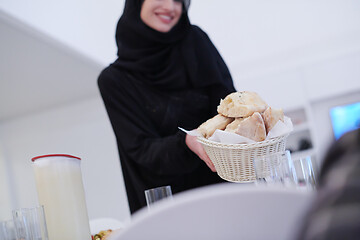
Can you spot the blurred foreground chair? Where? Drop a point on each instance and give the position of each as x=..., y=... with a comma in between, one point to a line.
x=223, y=211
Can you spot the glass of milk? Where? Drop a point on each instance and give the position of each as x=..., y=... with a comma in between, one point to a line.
x=60, y=190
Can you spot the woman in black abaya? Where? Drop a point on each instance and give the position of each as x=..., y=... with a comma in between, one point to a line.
x=168, y=75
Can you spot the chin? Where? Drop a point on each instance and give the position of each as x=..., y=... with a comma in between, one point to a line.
x=163, y=29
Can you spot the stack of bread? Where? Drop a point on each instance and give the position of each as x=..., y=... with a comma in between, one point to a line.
x=243, y=113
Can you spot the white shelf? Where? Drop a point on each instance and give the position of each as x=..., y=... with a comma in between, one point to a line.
x=301, y=132
x=303, y=153
x=301, y=127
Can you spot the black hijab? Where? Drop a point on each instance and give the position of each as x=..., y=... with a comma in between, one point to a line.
x=183, y=57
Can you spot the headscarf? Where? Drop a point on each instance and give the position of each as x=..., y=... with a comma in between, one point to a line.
x=177, y=59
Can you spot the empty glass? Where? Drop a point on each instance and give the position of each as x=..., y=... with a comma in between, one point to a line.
x=30, y=223
x=7, y=230
x=155, y=194
x=305, y=172
x=275, y=169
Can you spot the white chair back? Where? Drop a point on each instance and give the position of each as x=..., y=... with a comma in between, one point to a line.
x=223, y=211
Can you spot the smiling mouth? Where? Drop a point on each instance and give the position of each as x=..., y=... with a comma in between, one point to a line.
x=165, y=18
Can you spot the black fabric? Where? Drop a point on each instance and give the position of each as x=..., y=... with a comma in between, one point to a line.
x=161, y=81
x=167, y=60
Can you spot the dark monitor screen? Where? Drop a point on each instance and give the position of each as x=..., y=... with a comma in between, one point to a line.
x=345, y=118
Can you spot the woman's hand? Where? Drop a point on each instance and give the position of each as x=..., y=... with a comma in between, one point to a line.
x=197, y=148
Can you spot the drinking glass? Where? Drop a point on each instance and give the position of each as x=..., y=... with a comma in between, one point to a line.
x=7, y=230
x=30, y=223
x=155, y=194
x=275, y=169
x=306, y=174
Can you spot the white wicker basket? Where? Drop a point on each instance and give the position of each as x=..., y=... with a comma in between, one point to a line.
x=234, y=162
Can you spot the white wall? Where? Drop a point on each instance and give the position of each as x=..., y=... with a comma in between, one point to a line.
x=251, y=31
x=81, y=129
x=6, y=194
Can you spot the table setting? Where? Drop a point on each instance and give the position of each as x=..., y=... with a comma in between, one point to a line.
x=247, y=146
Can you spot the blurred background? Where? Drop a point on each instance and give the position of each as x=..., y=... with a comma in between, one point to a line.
x=299, y=55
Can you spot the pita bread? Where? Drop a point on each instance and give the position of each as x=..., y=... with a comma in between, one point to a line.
x=217, y=122
x=241, y=104
x=271, y=117
x=233, y=126
x=252, y=127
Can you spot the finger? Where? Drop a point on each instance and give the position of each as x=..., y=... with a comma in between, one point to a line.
x=211, y=165
x=207, y=160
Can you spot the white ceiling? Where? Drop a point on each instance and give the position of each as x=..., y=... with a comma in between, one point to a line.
x=37, y=72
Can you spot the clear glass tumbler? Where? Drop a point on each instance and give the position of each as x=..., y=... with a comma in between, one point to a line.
x=155, y=194
x=306, y=174
x=7, y=230
x=275, y=169
x=30, y=223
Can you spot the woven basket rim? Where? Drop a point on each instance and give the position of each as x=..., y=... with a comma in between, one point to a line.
x=270, y=141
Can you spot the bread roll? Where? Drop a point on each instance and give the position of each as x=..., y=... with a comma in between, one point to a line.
x=217, y=122
x=252, y=127
x=271, y=117
x=241, y=104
